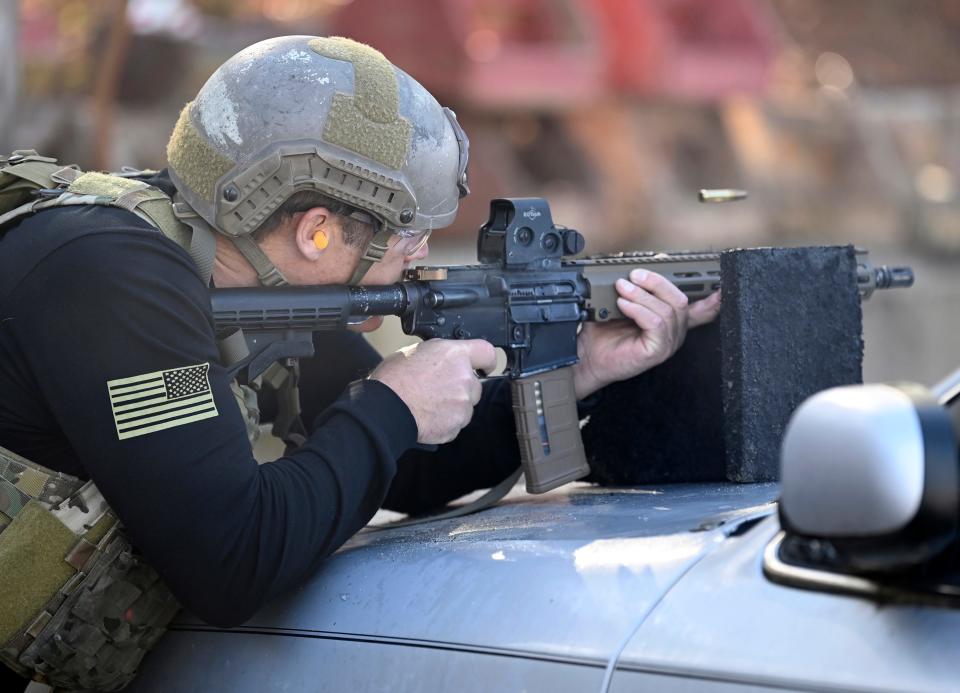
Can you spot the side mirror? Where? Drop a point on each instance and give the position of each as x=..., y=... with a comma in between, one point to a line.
x=873, y=469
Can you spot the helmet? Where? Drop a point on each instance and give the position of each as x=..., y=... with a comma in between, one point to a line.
x=326, y=114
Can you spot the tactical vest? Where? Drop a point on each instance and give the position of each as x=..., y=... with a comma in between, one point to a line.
x=80, y=606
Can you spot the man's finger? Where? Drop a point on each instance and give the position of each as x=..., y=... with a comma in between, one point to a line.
x=704, y=311
x=645, y=318
x=659, y=286
x=476, y=392
x=482, y=355
x=641, y=296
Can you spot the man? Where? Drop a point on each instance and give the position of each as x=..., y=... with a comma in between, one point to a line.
x=307, y=161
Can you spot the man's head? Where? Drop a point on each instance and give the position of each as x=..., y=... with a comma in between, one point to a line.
x=301, y=115
x=318, y=240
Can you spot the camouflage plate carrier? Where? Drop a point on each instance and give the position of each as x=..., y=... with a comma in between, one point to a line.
x=80, y=606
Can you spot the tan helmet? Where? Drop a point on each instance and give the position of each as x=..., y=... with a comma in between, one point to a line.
x=325, y=114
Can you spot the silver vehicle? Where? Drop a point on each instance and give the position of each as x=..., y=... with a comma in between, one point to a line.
x=684, y=587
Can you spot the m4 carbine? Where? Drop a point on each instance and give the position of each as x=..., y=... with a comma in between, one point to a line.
x=523, y=297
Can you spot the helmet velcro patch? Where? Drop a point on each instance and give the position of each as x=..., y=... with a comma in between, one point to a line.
x=386, y=143
x=102, y=185
x=196, y=163
x=368, y=122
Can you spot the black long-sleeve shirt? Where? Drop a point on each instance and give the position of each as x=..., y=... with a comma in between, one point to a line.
x=90, y=296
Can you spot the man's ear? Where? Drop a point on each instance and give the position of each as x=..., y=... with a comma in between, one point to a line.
x=316, y=232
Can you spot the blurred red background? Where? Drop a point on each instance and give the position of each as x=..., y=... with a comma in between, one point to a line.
x=841, y=117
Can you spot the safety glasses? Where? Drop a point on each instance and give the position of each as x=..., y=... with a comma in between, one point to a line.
x=412, y=240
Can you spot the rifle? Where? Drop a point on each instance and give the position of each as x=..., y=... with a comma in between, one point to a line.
x=523, y=297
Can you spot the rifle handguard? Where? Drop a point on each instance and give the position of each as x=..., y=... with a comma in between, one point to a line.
x=548, y=430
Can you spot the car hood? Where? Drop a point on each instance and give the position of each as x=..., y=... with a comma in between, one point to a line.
x=564, y=575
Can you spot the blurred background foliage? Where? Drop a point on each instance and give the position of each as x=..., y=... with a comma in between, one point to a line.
x=841, y=117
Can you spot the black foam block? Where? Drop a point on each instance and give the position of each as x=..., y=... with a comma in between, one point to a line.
x=665, y=424
x=790, y=326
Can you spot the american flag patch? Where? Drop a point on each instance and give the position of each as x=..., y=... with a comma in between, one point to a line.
x=154, y=401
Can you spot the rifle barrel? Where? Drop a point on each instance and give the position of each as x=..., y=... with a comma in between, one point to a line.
x=900, y=277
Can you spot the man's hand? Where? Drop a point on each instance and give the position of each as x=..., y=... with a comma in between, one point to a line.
x=437, y=380
x=621, y=349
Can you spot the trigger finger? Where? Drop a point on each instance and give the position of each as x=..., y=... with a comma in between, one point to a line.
x=476, y=392
x=482, y=355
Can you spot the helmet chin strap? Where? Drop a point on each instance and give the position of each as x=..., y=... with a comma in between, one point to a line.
x=270, y=275
x=376, y=248
x=203, y=246
x=267, y=272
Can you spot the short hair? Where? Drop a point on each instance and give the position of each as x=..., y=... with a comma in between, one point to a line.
x=355, y=232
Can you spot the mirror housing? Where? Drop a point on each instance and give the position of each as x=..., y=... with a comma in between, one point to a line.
x=872, y=469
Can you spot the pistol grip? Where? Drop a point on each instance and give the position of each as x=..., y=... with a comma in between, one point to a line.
x=548, y=429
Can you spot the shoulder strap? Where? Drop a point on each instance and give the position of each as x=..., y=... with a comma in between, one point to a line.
x=156, y=208
x=203, y=243
x=25, y=173
x=488, y=499
x=30, y=166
